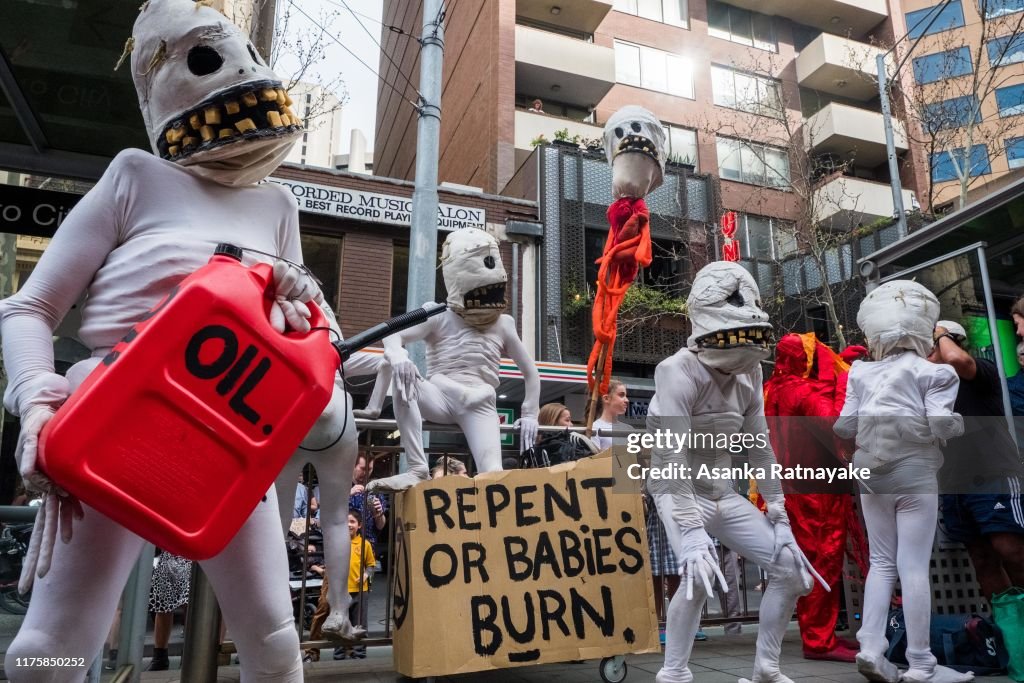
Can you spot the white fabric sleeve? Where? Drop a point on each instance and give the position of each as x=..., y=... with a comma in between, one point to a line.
x=761, y=455
x=27, y=319
x=846, y=426
x=675, y=394
x=517, y=352
x=940, y=389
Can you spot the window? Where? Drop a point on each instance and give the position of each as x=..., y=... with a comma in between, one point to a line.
x=666, y=11
x=998, y=8
x=764, y=238
x=653, y=69
x=941, y=65
x=935, y=19
x=1015, y=152
x=667, y=271
x=751, y=162
x=322, y=255
x=952, y=113
x=945, y=164
x=1006, y=50
x=741, y=26
x=746, y=92
x=682, y=144
x=1010, y=100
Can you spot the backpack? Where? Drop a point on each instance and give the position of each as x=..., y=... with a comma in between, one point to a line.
x=964, y=642
x=561, y=447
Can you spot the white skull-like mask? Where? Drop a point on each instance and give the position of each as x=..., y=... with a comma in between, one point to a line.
x=635, y=144
x=207, y=98
x=730, y=331
x=900, y=314
x=474, y=276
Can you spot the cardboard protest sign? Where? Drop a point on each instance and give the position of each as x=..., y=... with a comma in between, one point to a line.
x=520, y=567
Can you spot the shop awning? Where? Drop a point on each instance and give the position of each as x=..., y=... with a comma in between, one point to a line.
x=996, y=219
x=64, y=111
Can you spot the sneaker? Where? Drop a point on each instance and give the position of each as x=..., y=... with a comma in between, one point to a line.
x=339, y=653
x=111, y=662
x=358, y=652
x=160, y=661
x=661, y=636
x=700, y=636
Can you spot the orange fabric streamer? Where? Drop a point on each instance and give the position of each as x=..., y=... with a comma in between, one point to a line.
x=626, y=250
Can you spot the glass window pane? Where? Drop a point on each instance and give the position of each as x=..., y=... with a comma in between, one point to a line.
x=785, y=241
x=680, y=76
x=740, y=25
x=653, y=73
x=718, y=19
x=759, y=238
x=979, y=160
x=729, y=159
x=676, y=12
x=649, y=9
x=627, y=63
x=723, y=87
x=746, y=92
x=942, y=167
x=1006, y=50
x=752, y=160
x=949, y=16
x=683, y=145
x=1015, y=152
x=769, y=98
x=1010, y=100
x=625, y=6
x=764, y=32
x=777, y=162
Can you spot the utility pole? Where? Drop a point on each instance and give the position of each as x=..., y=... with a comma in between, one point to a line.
x=423, y=230
x=890, y=148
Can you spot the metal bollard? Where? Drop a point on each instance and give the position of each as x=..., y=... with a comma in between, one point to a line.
x=202, y=631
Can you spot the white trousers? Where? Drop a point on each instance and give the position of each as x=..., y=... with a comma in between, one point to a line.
x=901, y=531
x=446, y=401
x=743, y=528
x=73, y=606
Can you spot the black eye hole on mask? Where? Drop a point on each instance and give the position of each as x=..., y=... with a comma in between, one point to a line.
x=489, y=261
x=735, y=299
x=619, y=132
x=635, y=126
x=203, y=60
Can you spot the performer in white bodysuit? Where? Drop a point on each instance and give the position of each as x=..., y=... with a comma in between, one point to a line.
x=900, y=408
x=714, y=386
x=219, y=122
x=465, y=345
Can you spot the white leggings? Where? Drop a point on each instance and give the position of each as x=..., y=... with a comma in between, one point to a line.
x=901, y=530
x=445, y=401
x=73, y=606
x=741, y=527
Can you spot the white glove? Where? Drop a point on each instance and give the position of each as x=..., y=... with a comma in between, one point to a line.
x=293, y=288
x=527, y=432
x=59, y=509
x=404, y=373
x=699, y=559
x=784, y=540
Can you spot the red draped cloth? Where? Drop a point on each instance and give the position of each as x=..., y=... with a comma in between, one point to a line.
x=626, y=250
x=809, y=383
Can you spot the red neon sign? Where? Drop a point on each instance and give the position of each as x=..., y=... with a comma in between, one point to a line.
x=731, y=247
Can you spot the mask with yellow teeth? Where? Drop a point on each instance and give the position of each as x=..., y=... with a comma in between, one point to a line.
x=474, y=276
x=208, y=99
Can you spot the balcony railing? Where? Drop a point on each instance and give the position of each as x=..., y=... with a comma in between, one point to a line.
x=845, y=202
x=852, y=133
x=839, y=66
x=581, y=73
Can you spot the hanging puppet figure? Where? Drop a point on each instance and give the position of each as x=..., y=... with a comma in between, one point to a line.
x=219, y=122
x=900, y=408
x=714, y=387
x=465, y=345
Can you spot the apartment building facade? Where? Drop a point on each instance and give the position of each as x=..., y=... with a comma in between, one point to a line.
x=968, y=71
x=775, y=101
x=321, y=113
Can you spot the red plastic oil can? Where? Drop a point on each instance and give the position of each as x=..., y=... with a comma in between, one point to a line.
x=180, y=431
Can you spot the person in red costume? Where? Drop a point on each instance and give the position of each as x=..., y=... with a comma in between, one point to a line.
x=809, y=383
